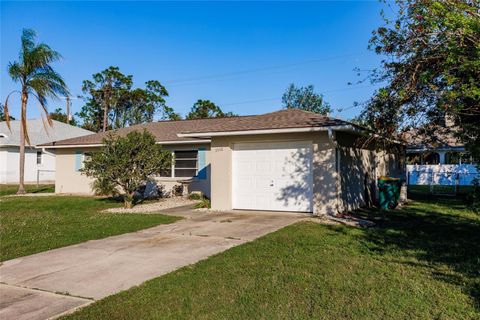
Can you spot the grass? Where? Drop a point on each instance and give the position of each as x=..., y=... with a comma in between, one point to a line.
x=439, y=189
x=420, y=262
x=8, y=189
x=33, y=224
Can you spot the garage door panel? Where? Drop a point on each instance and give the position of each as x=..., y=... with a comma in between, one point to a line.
x=273, y=176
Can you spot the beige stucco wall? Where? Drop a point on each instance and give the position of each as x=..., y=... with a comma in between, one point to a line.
x=361, y=164
x=68, y=180
x=324, y=175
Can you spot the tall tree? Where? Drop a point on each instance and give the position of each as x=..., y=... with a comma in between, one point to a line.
x=141, y=105
x=106, y=92
x=59, y=115
x=431, y=70
x=37, y=78
x=112, y=103
x=203, y=109
x=305, y=98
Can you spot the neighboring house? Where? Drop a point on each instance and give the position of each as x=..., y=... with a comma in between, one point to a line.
x=289, y=160
x=443, y=161
x=39, y=162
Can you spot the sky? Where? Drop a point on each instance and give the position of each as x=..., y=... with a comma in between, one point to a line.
x=242, y=56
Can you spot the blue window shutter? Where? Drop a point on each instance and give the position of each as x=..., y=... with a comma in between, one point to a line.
x=202, y=164
x=78, y=160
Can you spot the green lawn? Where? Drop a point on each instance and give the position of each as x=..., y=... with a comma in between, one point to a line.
x=439, y=189
x=422, y=262
x=33, y=224
x=8, y=189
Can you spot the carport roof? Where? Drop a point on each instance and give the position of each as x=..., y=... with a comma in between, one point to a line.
x=185, y=131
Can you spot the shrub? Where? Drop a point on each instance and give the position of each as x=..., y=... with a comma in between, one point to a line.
x=195, y=196
x=126, y=163
x=204, y=203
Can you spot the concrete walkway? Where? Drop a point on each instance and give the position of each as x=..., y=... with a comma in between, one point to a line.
x=51, y=283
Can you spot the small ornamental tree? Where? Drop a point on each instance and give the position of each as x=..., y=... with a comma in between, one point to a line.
x=125, y=163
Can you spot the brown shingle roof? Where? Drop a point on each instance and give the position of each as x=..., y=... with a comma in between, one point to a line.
x=168, y=130
x=439, y=138
x=283, y=119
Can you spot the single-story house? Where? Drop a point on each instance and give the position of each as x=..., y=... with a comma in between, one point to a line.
x=438, y=160
x=39, y=162
x=289, y=160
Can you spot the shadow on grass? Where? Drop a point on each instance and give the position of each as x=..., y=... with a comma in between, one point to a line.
x=118, y=200
x=447, y=237
x=46, y=189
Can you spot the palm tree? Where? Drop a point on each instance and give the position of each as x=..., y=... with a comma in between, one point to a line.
x=38, y=79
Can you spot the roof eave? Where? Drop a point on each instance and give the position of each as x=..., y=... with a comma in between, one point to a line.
x=211, y=134
x=96, y=145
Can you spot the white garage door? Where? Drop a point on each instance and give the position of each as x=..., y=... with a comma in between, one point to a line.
x=273, y=176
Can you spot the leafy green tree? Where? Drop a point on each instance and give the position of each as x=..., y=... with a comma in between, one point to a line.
x=37, y=78
x=59, y=115
x=126, y=163
x=431, y=70
x=358, y=120
x=174, y=116
x=203, y=109
x=141, y=105
x=112, y=103
x=105, y=94
x=304, y=98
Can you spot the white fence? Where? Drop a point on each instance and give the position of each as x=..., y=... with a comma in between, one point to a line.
x=442, y=174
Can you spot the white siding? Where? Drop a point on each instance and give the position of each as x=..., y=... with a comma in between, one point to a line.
x=9, y=165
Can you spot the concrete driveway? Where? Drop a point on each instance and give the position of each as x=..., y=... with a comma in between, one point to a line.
x=51, y=283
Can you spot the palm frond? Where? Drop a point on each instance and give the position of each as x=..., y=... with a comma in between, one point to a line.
x=28, y=42
x=44, y=55
x=6, y=111
x=45, y=81
x=43, y=107
x=15, y=71
x=46, y=122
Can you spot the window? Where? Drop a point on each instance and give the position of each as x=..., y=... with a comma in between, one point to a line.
x=431, y=158
x=39, y=157
x=455, y=157
x=185, y=164
x=87, y=156
x=414, y=158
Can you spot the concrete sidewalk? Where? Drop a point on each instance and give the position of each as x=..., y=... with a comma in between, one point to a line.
x=50, y=283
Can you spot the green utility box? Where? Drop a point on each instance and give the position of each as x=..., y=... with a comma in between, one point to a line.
x=389, y=192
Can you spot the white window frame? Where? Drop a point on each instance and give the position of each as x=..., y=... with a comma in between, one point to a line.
x=85, y=156
x=173, y=167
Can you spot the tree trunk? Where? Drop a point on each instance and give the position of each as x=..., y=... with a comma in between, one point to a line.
x=106, y=95
x=23, y=127
x=128, y=200
x=105, y=114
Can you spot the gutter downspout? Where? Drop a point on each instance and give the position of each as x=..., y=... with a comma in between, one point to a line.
x=333, y=140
